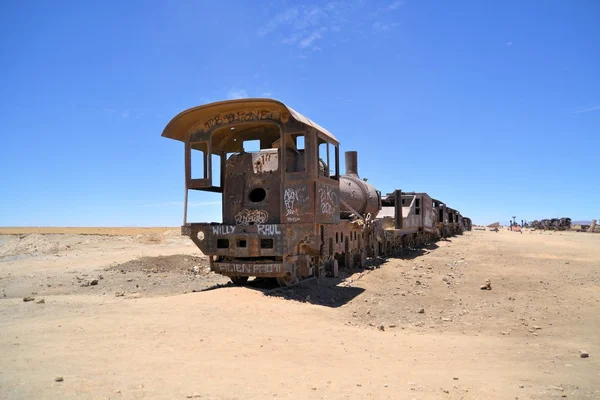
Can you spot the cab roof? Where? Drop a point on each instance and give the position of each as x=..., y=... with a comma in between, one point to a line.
x=201, y=118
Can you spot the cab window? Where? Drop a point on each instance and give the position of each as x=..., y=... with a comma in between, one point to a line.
x=328, y=159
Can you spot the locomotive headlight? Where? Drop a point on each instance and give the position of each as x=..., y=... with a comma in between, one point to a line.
x=200, y=235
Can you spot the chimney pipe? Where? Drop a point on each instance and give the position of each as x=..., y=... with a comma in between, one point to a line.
x=352, y=163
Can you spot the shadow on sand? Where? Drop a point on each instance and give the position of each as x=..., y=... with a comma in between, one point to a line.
x=328, y=292
x=320, y=291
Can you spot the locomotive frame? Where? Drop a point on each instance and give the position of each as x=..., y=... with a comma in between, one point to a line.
x=288, y=213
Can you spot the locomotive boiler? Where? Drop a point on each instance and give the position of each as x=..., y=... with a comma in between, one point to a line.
x=287, y=211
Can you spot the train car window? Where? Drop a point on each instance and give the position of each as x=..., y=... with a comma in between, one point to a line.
x=323, y=161
x=295, y=155
x=333, y=161
x=216, y=170
x=418, y=206
x=251, y=145
x=299, y=139
x=328, y=159
x=199, y=160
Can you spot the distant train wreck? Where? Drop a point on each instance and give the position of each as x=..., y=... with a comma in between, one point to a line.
x=556, y=224
x=288, y=212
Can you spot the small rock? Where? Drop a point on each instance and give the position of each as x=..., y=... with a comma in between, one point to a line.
x=536, y=327
x=447, y=319
x=521, y=386
x=40, y=301
x=381, y=328
x=58, y=379
x=455, y=378
x=583, y=354
x=487, y=286
x=446, y=391
x=119, y=294
x=94, y=282
x=392, y=325
x=421, y=311
x=28, y=298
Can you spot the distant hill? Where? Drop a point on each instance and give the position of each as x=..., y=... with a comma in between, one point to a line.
x=581, y=222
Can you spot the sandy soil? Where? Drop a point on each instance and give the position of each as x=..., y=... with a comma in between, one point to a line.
x=120, y=231
x=139, y=316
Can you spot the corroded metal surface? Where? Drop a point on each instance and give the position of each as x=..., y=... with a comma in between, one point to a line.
x=287, y=212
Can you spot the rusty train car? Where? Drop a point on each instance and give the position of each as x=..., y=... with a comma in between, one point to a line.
x=287, y=211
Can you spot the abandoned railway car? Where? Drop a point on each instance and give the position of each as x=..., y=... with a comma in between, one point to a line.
x=287, y=211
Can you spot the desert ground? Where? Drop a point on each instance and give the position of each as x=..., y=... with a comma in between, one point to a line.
x=132, y=313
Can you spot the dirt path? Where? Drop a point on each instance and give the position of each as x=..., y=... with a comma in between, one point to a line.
x=361, y=337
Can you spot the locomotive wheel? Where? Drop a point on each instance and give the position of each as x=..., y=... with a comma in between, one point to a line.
x=287, y=280
x=239, y=280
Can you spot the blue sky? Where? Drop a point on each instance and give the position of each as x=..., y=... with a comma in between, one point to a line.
x=493, y=107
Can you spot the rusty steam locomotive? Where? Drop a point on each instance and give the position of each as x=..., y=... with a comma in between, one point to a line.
x=288, y=213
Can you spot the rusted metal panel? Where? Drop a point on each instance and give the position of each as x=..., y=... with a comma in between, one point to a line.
x=430, y=220
x=266, y=269
x=298, y=201
x=327, y=203
x=194, y=124
x=226, y=240
x=253, y=189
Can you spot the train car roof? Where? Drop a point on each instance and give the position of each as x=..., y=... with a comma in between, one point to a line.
x=188, y=122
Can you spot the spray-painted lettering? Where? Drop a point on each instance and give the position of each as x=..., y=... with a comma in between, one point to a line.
x=265, y=161
x=268, y=230
x=251, y=217
x=292, y=198
x=328, y=199
x=241, y=116
x=222, y=229
x=250, y=268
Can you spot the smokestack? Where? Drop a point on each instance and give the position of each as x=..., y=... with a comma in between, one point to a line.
x=351, y=163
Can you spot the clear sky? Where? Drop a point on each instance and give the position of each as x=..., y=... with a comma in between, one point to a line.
x=492, y=107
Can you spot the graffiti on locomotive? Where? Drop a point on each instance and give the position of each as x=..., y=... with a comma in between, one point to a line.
x=241, y=116
x=328, y=200
x=294, y=198
x=250, y=268
x=247, y=217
